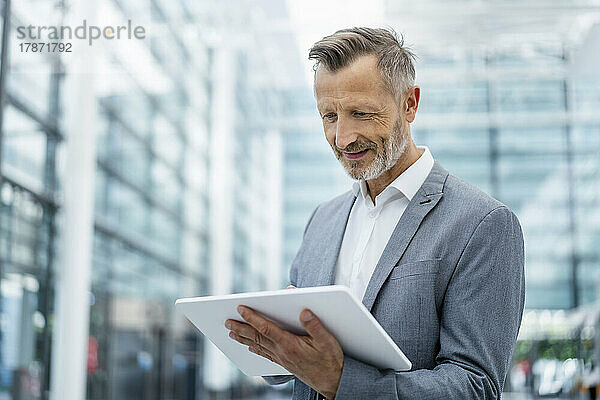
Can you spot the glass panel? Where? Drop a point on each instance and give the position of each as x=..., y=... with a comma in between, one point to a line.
x=23, y=148
x=24, y=293
x=531, y=95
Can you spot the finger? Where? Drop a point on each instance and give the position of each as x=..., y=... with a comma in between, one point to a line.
x=253, y=347
x=263, y=326
x=314, y=327
x=291, y=287
x=248, y=332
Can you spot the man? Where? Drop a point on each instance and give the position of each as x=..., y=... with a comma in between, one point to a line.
x=436, y=261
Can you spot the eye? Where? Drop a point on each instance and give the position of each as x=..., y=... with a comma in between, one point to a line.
x=330, y=117
x=361, y=114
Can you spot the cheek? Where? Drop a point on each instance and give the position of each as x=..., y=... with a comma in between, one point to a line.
x=373, y=133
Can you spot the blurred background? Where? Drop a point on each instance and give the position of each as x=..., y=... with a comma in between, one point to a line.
x=137, y=171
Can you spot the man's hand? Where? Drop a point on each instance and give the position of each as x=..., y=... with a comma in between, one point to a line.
x=316, y=359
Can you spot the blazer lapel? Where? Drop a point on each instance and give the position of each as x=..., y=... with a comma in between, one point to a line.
x=424, y=201
x=328, y=246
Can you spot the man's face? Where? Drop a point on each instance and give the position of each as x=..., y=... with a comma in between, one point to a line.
x=360, y=118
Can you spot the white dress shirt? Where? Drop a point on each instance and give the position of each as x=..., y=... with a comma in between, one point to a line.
x=370, y=225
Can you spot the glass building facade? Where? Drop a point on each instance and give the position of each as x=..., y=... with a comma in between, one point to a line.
x=152, y=230
x=210, y=158
x=150, y=208
x=518, y=128
x=29, y=187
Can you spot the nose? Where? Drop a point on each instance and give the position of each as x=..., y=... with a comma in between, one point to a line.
x=344, y=134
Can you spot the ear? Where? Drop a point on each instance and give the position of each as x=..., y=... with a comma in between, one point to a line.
x=411, y=103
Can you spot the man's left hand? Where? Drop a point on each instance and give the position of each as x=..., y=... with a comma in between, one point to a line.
x=316, y=359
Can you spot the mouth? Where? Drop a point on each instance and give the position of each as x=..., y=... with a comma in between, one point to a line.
x=356, y=156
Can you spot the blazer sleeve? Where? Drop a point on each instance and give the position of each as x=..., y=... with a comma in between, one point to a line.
x=279, y=379
x=479, y=323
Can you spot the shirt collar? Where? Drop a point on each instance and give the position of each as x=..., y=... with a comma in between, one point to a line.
x=408, y=182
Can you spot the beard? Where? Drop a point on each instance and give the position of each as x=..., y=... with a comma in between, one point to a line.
x=387, y=154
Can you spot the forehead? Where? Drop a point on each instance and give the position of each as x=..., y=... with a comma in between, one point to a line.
x=359, y=81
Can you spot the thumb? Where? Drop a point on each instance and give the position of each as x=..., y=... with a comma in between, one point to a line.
x=314, y=327
x=291, y=287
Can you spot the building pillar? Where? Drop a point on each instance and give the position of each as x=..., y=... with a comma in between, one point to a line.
x=217, y=368
x=73, y=272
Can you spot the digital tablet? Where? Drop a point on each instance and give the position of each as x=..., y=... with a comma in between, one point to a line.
x=355, y=328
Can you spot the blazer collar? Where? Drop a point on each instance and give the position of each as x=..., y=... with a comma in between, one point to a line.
x=328, y=246
x=424, y=201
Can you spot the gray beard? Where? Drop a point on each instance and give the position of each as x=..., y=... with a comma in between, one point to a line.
x=385, y=158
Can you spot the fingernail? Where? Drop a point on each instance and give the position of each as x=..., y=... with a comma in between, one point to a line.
x=240, y=310
x=232, y=335
x=307, y=316
x=228, y=325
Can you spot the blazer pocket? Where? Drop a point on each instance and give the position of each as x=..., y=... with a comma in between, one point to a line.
x=415, y=268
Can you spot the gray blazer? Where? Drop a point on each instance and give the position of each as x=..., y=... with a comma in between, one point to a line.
x=449, y=289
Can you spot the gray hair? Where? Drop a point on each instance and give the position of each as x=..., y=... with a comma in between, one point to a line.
x=395, y=61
